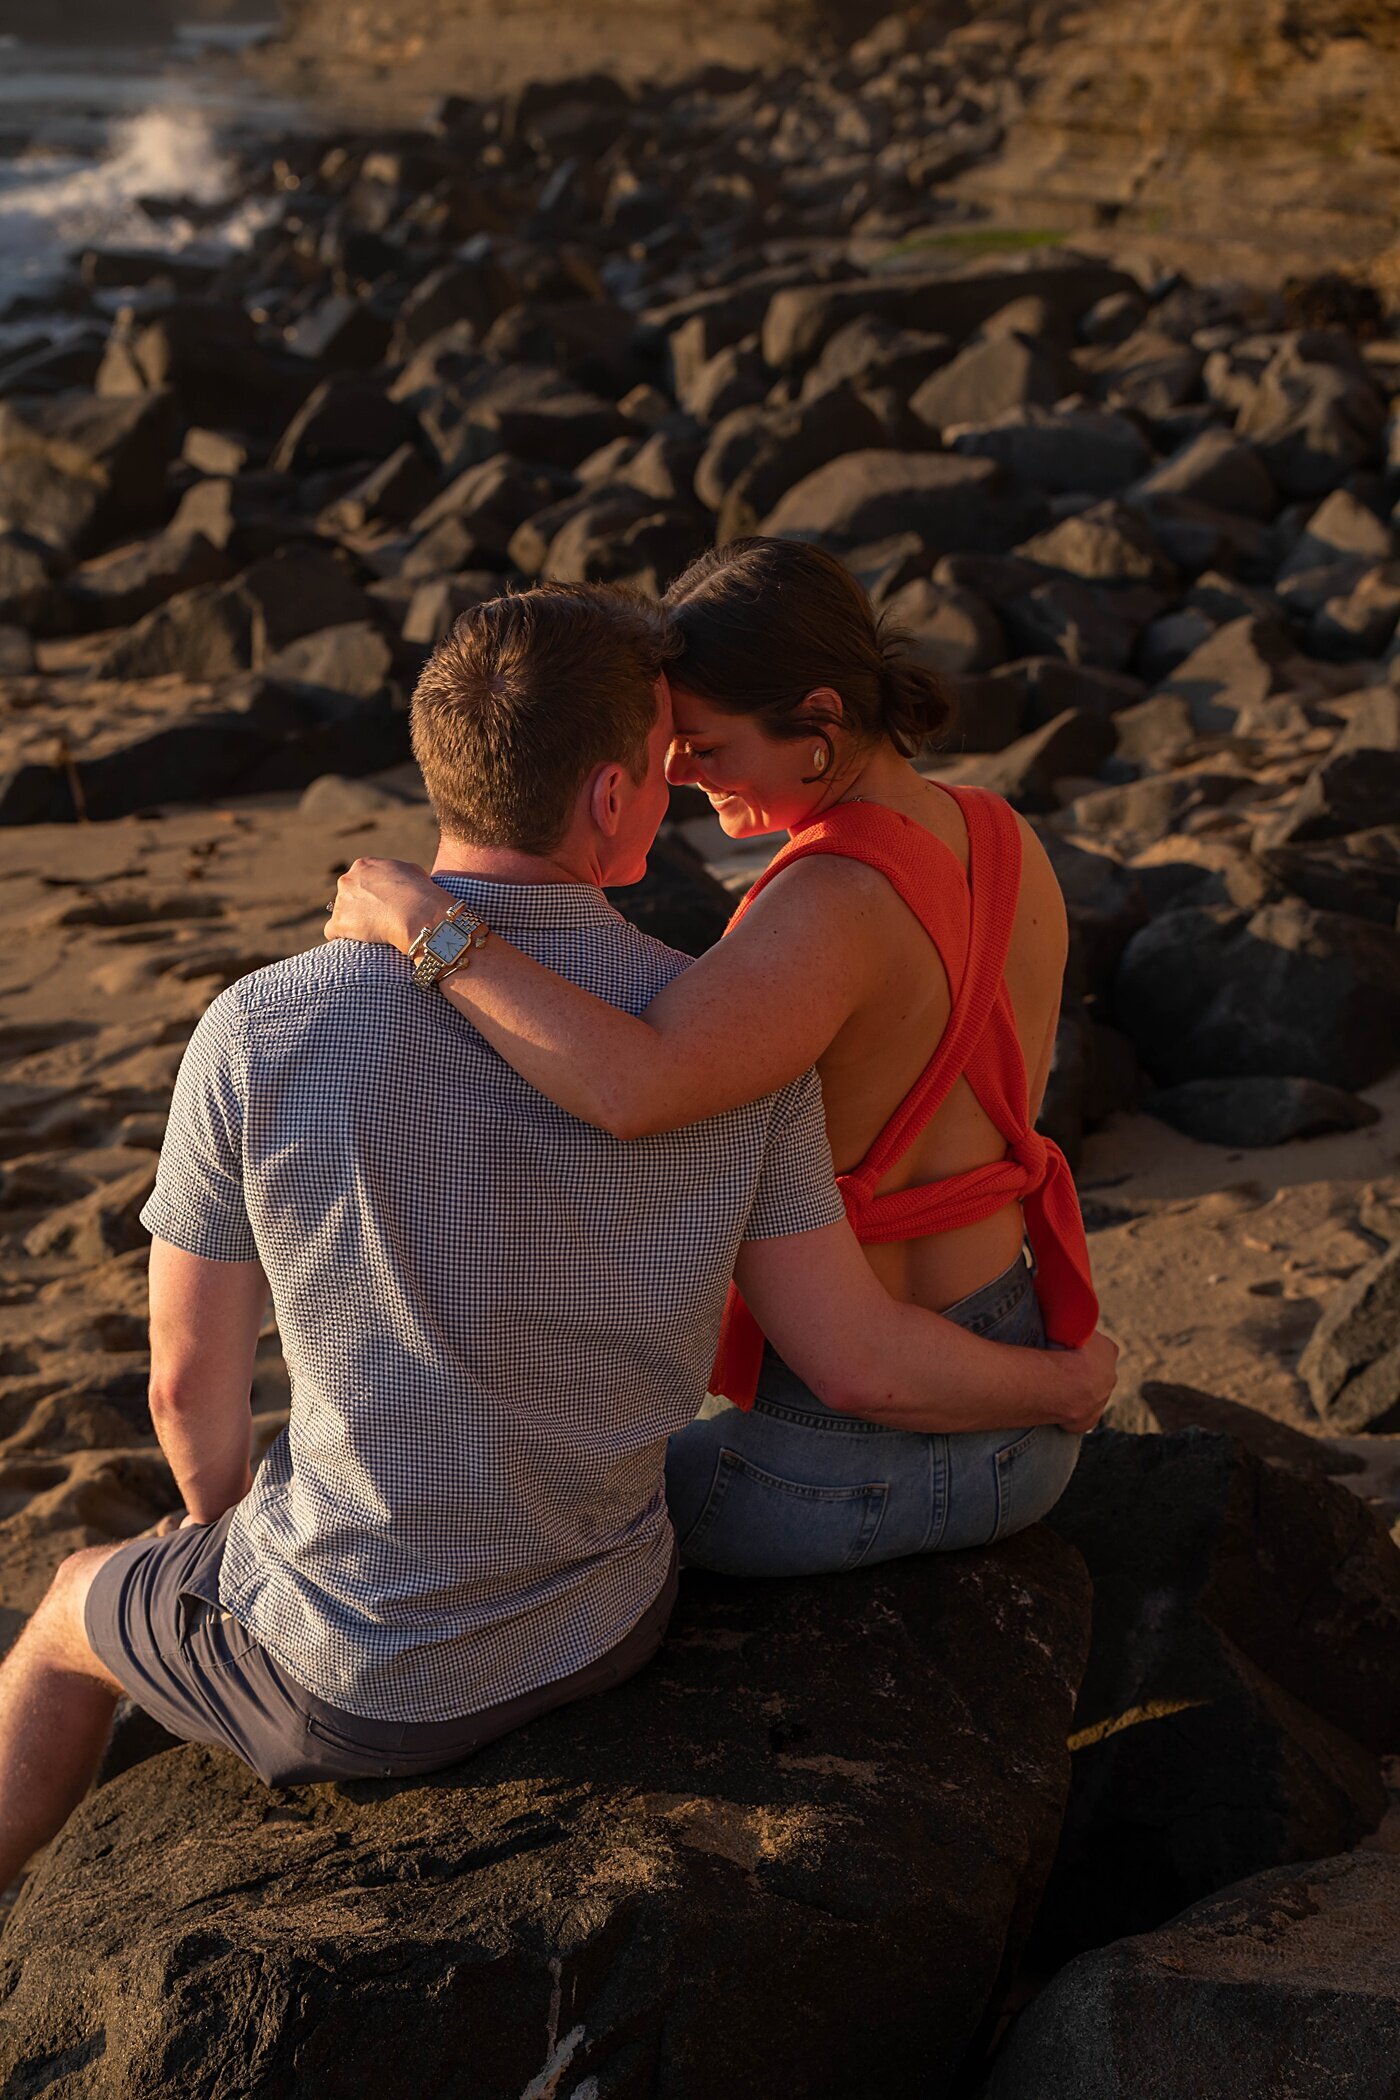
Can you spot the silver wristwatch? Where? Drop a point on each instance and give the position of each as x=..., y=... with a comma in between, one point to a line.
x=440, y=949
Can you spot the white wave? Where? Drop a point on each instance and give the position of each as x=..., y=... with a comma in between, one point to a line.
x=50, y=207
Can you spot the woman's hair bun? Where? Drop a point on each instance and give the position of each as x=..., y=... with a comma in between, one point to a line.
x=918, y=703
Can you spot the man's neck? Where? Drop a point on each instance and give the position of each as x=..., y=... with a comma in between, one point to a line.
x=504, y=864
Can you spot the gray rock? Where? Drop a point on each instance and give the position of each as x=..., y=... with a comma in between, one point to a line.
x=538, y=415
x=1052, y=685
x=986, y=379
x=1084, y=623
x=17, y=656
x=1240, y=1686
x=1258, y=1111
x=491, y=501
x=391, y=494
x=342, y=423
x=1373, y=721
x=1359, y=621
x=119, y=588
x=801, y=319
x=473, y=290
x=1233, y=674
x=1217, y=469
x=1106, y=544
x=1358, y=875
x=349, y=661
x=949, y=502
x=1166, y=643
x=1075, y=742
x=735, y=377
x=1351, y=1364
x=1288, y=1983
x=1068, y=450
x=1315, y=415
x=811, y=1779
x=871, y=352
x=198, y=634
x=1350, y=791
x=1340, y=529
x=435, y=605
x=76, y=470
x=791, y=446
x=26, y=567
x=1157, y=734
x=1213, y=993
x=949, y=630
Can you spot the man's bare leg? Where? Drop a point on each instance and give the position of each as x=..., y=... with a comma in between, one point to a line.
x=56, y=1707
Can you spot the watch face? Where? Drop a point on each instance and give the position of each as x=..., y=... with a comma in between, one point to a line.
x=447, y=942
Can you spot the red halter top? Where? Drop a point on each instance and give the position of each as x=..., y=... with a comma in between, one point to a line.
x=968, y=918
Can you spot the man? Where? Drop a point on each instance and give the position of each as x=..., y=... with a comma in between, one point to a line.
x=493, y=1315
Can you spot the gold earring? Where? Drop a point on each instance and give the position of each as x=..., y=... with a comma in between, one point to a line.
x=819, y=758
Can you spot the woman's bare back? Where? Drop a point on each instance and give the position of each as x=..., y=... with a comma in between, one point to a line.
x=885, y=1046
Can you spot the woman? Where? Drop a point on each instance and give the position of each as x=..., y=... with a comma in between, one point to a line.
x=795, y=712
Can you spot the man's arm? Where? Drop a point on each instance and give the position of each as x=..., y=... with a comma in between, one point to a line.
x=205, y=1317
x=821, y=1306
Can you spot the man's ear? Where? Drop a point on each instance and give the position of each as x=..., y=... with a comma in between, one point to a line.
x=606, y=793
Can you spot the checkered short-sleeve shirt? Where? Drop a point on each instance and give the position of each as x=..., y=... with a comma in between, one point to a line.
x=492, y=1314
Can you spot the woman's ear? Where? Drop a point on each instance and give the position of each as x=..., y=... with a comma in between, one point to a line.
x=824, y=702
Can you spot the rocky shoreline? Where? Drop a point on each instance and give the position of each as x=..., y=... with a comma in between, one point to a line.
x=1144, y=524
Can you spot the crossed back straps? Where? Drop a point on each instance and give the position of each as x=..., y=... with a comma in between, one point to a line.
x=969, y=919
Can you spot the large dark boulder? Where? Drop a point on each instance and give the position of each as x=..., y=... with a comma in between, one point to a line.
x=952, y=503
x=801, y=319
x=1241, y=1681
x=1259, y=1111
x=1358, y=875
x=796, y=1855
x=678, y=900
x=75, y=469
x=989, y=377
x=1208, y=992
x=1287, y=1984
x=1071, y=450
x=1352, y=1360
x=1351, y=790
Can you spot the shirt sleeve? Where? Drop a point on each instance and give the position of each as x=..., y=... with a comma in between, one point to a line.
x=197, y=1202
x=797, y=1189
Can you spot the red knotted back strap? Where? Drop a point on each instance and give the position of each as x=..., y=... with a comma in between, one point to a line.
x=969, y=921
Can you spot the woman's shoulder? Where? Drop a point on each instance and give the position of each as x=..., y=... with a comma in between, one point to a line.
x=816, y=883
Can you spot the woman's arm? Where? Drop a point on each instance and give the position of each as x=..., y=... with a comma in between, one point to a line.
x=754, y=1013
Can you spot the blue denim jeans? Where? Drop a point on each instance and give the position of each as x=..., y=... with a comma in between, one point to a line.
x=795, y=1489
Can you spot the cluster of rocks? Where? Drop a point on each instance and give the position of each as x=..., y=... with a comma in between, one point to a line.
x=822, y=1845
x=1144, y=528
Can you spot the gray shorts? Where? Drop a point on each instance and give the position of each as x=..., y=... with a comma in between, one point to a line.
x=151, y=1621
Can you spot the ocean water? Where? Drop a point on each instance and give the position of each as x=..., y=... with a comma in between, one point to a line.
x=86, y=134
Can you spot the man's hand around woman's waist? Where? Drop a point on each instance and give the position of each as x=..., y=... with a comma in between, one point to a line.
x=1089, y=1375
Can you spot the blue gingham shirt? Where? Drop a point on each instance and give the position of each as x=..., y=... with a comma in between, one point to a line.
x=493, y=1315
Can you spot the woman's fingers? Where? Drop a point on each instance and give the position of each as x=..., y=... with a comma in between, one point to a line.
x=384, y=900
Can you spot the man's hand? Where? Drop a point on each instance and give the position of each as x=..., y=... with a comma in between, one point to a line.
x=1091, y=1374
x=385, y=900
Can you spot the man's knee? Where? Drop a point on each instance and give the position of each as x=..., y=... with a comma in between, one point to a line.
x=60, y=1620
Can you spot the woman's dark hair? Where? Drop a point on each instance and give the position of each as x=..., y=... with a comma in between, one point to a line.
x=764, y=622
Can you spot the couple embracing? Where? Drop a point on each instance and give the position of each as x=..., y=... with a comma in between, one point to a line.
x=513, y=1172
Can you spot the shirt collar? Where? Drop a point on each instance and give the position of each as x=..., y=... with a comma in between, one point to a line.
x=530, y=907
